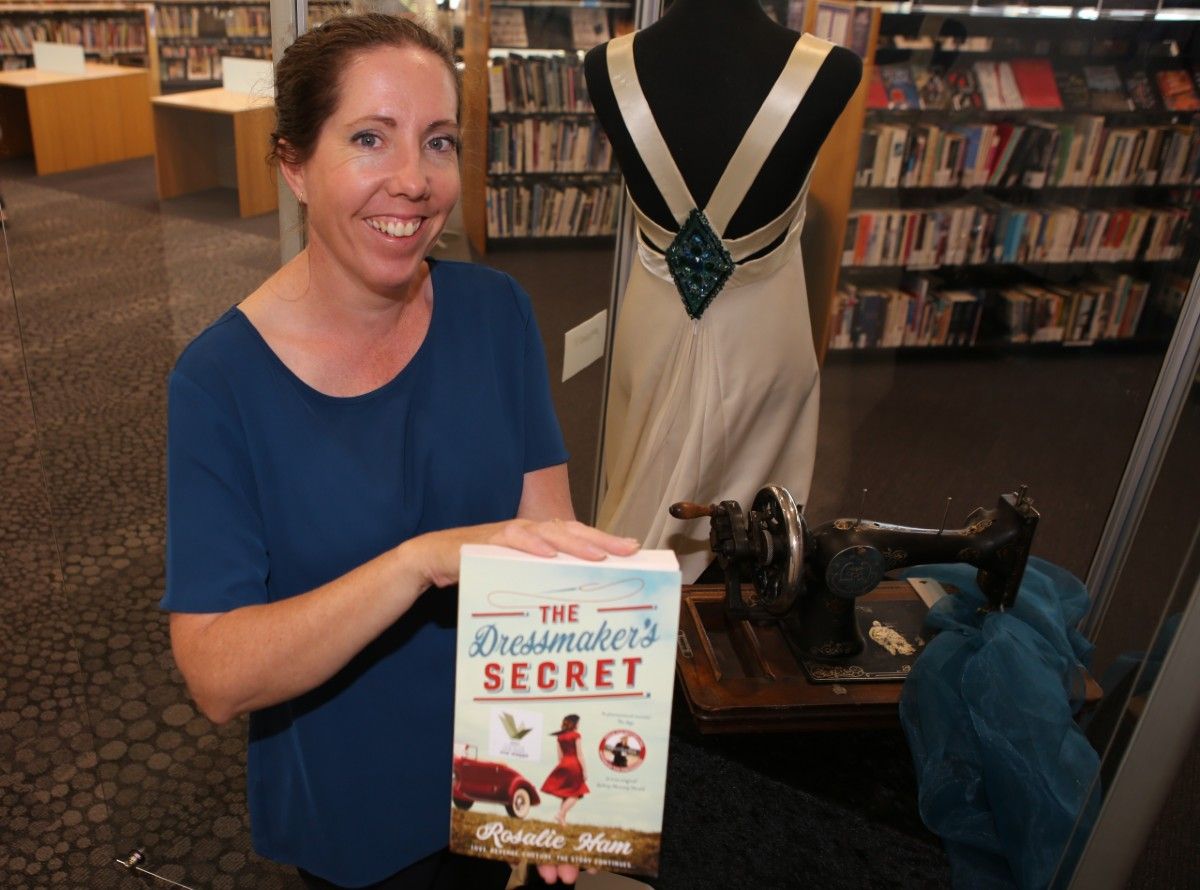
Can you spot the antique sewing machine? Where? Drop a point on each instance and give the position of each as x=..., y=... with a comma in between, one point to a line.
x=789, y=646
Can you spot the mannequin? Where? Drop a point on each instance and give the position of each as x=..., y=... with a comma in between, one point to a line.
x=715, y=384
x=705, y=68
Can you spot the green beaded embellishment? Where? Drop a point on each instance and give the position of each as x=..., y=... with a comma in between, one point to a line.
x=699, y=263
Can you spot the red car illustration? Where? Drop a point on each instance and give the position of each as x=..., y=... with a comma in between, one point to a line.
x=489, y=782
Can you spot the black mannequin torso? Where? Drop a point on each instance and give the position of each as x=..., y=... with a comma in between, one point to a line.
x=705, y=69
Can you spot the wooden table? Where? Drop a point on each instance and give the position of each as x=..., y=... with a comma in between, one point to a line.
x=70, y=121
x=742, y=676
x=211, y=138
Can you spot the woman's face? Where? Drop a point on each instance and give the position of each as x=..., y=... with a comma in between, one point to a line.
x=383, y=176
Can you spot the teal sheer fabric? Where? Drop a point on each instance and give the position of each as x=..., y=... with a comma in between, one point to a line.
x=1003, y=770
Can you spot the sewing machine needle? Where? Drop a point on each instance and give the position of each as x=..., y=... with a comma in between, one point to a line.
x=945, y=513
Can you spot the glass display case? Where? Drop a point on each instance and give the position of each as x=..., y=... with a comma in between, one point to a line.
x=1001, y=268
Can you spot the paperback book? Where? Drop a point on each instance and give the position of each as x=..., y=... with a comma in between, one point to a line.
x=1175, y=86
x=564, y=677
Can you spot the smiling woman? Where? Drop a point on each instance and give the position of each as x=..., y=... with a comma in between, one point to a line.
x=326, y=464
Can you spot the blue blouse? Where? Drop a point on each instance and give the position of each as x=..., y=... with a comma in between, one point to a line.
x=275, y=488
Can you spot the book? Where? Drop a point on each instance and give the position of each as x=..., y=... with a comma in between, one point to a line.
x=1072, y=89
x=589, y=27
x=1142, y=92
x=877, y=97
x=900, y=88
x=964, y=89
x=1105, y=90
x=1175, y=87
x=1035, y=80
x=563, y=685
x=832, y=22
x=932, y=88
x=860, y=31
x=507, y=28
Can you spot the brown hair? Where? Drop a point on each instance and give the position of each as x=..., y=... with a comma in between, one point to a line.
x=308, y=77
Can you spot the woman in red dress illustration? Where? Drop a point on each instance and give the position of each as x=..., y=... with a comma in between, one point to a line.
x=567, y=780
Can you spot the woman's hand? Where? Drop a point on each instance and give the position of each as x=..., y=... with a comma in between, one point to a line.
x=436, y=555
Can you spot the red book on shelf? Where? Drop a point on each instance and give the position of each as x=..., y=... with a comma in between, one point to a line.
x=1035, y=80
x=1176, y=88
x=876, y=92
x=1004, y=131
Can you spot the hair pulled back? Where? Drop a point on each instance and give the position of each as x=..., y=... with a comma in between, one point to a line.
x=308, y=77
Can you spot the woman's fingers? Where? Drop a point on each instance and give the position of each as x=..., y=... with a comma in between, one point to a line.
x=584, y=541
x=546, y=538
x=568, y=874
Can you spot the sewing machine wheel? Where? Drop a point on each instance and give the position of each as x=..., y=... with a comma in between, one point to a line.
x=779, y=575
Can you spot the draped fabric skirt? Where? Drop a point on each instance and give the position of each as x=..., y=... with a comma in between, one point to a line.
x=710, y=409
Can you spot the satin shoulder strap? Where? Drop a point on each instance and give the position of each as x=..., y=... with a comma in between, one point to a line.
x=643, y=129
x=766, y=128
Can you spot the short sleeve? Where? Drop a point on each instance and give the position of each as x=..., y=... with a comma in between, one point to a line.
x=544, y=446
x=216, y=555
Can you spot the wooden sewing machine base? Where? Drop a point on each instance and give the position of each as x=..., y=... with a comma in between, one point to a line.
x=745, y=676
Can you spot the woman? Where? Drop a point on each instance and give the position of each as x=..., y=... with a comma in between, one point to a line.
x=334, y=440
x=567, y=780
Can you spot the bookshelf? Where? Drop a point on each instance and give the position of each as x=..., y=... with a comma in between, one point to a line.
x=112, y=33
x=194, y=35
x=1022, y=181
x=545, y=169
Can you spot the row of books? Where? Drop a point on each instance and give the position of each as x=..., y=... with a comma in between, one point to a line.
x=95, y=35
x=1077, y=151
x=203, y=63
x=521, y=210
x=586, y=27
x=548, y=145
x=994, y=232
x=214, y=21
x=537, y=83
x=1021, y=84
x=922, y=313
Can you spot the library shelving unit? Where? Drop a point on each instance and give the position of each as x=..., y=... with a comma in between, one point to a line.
x=112, y=33
x=1027, y=180
x=540, y=170
x=194, y=35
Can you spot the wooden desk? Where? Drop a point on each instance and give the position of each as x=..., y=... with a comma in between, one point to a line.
x=744, y=677
x=69, y=121
x=194, y=133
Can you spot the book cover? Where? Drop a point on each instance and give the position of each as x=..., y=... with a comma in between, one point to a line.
x=877, y=97
x=1072, y=89
x=564, y=677
x=507, y=28
x=860, y=31
x=1035, y=80
x=1142, y=92
x=1105, y=90
x=964, y=89
x=589, y=27
x=1175, y=87
x=900, y=88
x=932, y=89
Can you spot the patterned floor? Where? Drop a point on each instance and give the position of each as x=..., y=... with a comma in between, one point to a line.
x=102, y=752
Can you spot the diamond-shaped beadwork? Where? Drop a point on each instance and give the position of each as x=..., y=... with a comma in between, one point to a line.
x=699, y=263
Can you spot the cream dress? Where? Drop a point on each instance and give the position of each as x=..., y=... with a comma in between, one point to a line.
x=710, y=409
